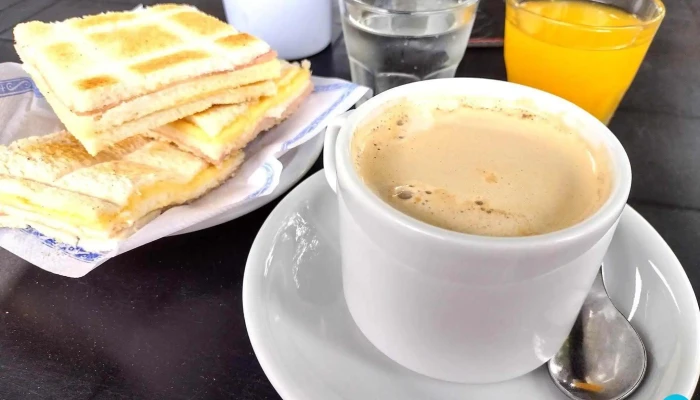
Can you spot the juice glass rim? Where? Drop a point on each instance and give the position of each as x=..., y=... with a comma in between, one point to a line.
x=661, y=8
x=380, y=10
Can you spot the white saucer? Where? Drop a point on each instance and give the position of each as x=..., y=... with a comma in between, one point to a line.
x=310, y=348
x=296, y=163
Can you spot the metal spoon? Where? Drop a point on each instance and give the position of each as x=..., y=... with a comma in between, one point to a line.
x=603, y=358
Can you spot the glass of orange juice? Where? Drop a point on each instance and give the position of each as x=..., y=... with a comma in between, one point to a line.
x=587, y=52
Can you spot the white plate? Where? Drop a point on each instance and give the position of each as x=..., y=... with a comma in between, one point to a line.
x=296, y=163
x=310, y=348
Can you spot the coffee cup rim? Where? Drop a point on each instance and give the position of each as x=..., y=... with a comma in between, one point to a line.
x=604, y=216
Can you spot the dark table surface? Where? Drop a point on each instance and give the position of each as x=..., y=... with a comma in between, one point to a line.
x=166, y=320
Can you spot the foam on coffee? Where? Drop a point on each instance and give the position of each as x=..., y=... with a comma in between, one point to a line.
x=494, y=171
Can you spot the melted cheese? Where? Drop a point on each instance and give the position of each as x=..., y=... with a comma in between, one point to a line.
x=157, y=196
x=288, y=85
x=174, y=193
x=73, y=218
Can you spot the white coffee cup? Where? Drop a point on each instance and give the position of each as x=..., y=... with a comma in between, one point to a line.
x=294, y=29
x=461, y=307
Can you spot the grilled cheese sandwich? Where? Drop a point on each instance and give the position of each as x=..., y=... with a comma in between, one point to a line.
x=52, y=182
x=110, y=76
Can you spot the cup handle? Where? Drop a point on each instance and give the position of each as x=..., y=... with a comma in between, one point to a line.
x=329, y=165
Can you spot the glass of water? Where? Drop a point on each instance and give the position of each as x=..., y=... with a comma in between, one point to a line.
x=394, y=42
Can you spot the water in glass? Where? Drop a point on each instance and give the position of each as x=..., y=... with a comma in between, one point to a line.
x=391, y=43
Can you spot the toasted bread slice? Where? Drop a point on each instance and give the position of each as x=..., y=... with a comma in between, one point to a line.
x=214, y=133
x=100, y=61
x=51, y=181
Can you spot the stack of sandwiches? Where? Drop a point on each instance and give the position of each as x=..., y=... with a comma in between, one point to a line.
x=158, y=106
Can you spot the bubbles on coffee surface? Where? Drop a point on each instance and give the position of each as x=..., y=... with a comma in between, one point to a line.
x=445, y=209
x=404, y=194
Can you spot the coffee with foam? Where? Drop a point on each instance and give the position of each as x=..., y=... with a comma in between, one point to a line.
x=484, y=171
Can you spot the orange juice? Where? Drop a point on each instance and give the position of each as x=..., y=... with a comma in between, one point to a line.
x=585, y=52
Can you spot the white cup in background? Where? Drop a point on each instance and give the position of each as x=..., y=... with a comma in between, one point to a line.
x=295, y=29
x=461, y=307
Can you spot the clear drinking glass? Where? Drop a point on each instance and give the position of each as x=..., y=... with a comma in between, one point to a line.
x=394, y=42
x=586, y=51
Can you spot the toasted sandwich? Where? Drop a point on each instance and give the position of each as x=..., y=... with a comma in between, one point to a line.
x=110, y=76
x=215, y=133
x=53, y=184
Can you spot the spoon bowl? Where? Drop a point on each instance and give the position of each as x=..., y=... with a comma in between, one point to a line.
x=603, y=358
